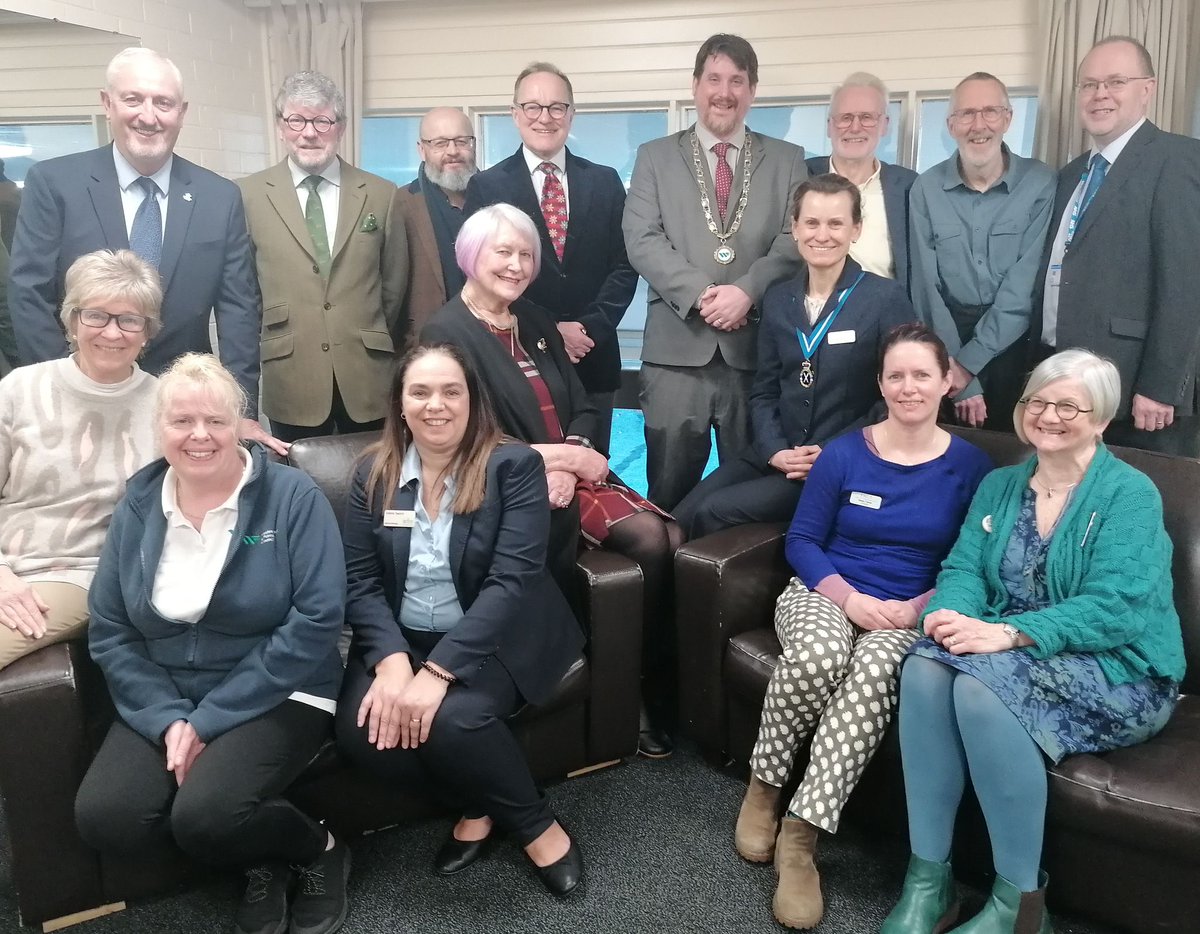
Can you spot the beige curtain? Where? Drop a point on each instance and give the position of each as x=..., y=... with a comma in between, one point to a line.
x=324, y=36
x=1071, y=27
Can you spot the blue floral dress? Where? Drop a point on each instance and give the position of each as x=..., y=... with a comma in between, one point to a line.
x=1065, y=702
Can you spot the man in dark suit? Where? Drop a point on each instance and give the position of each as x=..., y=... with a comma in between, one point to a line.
x=1119, y=273
x=137, y=194
x=431, y=209
x=858, y=120
x=586, y=281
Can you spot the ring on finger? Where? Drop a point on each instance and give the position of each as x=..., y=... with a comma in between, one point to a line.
x=949, y=640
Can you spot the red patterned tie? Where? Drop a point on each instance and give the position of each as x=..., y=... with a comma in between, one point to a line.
x=554, y=208
x=724, y=177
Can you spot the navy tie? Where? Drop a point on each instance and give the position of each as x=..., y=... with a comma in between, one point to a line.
x=145, y=238
x=1095, y=180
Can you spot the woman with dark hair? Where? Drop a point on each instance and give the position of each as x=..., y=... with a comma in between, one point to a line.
x=878, y=513
x=540, y=400
x=817, y=345
x=456, y=621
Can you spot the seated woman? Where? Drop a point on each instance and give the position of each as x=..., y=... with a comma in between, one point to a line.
x=818, y=342
x=1052, y=632
x=457, y=623
x=215, y=612
x=880, y=510
x=71, y=433
x=519, y=353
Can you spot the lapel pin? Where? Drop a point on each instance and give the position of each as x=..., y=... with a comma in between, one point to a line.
x=187, y=196
x=542, y=345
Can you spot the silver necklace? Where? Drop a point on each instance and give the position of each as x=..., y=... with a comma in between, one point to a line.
x=1051, y=490
x=723, y=254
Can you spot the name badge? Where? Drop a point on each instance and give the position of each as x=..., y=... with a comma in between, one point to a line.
x=840, y=337
x=870, y=500
x=399, y=518
x=1054, y=276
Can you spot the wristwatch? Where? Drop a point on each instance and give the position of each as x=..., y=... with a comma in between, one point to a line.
x=1012, y=632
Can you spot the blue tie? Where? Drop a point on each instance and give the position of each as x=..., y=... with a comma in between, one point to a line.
x=145, y=239
x=1095, y=179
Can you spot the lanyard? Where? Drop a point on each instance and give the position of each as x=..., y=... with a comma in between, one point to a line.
x=810, y=342
x=1078, y=210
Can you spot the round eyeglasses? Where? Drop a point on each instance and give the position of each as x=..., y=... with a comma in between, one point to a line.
x=533, y=110
x=297, y=123
x=1067, y=411
x=865, y=120
x=95, y=318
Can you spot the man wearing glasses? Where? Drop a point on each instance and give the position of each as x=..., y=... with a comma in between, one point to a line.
x=1120, y=273
x=586, y=281
x=977, y=225
x=332, y=266
x=431, y=210
x=858, y=120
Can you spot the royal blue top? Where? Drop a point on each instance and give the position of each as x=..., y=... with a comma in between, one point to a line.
x=884, y=527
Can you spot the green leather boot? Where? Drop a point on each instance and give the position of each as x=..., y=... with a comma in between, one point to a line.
x=1008, y=910
x=929, y=902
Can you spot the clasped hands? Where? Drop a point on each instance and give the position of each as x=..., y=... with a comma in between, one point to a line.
x=724, y=307
x=965, y=635
x=795, y=463
x=867, y=612
x=400, y=706
x=565, y=465
x=575, y=339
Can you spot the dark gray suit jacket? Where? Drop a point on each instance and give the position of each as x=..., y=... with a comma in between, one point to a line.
x=72, y=206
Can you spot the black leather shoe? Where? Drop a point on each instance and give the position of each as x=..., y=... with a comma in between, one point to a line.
x=456, y=855
x=564, y=876
x=654, y=743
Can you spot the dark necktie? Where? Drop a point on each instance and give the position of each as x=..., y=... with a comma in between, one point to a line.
x=145, y=237
x=314, y=220
x=554, y=208
x=1095, y=180
x=724, y=178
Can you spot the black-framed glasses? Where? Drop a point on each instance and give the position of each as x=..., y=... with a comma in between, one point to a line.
x=95, y=318
x=991, y=115
x=533, y=110
x=865, y=120
x=297, y=123
x=1116, y=83
x=1066, y=410
x=442, y=143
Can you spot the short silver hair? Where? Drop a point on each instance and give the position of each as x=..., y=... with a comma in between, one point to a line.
x=861, y=79
x=1099, y=376
x=311, y=89
x=206, y=372
x=138, y=55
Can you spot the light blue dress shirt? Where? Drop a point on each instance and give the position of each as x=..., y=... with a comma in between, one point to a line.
x=430, y=601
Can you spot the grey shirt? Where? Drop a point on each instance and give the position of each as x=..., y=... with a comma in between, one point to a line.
x=977, y=254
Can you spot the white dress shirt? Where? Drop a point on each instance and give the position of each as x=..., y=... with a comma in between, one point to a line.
x=559, y=159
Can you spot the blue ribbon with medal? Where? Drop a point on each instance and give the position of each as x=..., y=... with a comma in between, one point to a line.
x=809, y=343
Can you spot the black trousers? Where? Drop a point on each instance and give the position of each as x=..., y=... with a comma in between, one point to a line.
x=741, y=491
x=339, y=422
x=228, y=811
x=471, y=759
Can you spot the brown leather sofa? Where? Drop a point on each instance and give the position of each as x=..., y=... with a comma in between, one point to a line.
x=54, y=712
x=1123, y=828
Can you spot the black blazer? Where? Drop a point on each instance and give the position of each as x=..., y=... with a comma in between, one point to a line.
x=512, y=609
x=1131, y=278
x=897, y=181
x=594, y=283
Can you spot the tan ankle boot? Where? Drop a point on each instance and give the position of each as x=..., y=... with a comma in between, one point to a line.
x=798, y=902
x=757, y=822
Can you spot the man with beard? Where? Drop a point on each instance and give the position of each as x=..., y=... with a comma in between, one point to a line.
x=431, y=211
x=331, y=265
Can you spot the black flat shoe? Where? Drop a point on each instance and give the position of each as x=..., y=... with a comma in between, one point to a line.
x=563, y=877
x=456, y=855
x=654, y=743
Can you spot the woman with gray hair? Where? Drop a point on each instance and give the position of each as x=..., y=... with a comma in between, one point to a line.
x=1052, y=632
x=71, y=433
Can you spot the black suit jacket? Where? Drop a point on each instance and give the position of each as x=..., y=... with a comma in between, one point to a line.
x=512, y=609
x=594, y=283
x=897, y=181
x=1130, y=287
x=72, y=206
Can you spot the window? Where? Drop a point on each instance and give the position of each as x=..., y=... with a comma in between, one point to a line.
x=389, y=147
x=935, y=144
x=23, y=144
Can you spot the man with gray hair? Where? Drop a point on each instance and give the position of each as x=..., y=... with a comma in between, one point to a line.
x=431, y=209
x=332, y=265
x=858, y=121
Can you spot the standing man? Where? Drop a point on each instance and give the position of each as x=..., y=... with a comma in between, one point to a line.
x=331, y=265
x=978, y=223
x=10, y=203
x=707, y=225
x=431, y=210
x=137, y=194
x=858, y=120
x=586, y=281
x=1120, y=274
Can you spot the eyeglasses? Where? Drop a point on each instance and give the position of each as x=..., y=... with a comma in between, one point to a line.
x=993, y=114
x=866, y=120
x=442, y=143
x=95, y=318
x=533, y=110
x=1067, y=411
x=1117, y=83
x=297, y=123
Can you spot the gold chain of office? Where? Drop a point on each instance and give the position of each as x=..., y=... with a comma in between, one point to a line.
x=724, y=254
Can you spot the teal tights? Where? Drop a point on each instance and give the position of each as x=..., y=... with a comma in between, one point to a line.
x=950, y=725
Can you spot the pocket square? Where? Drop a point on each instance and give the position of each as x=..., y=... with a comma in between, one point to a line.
x=369, y=224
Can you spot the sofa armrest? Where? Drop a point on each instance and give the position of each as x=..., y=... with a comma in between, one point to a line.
x=725, y=583
x=611, y=599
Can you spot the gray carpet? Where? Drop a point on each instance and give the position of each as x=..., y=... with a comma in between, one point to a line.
x=657, y=844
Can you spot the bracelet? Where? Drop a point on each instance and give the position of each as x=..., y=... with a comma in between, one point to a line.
x=441, y=676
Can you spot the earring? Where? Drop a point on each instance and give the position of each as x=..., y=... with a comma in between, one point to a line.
x=403, y=417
